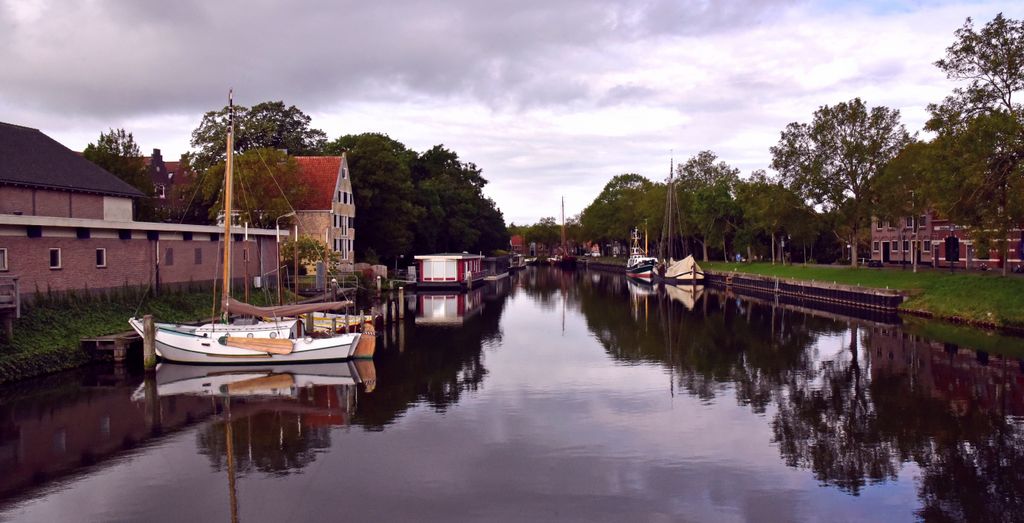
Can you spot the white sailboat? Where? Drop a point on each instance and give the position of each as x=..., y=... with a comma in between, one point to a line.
x=276, y=337
x=670, y=270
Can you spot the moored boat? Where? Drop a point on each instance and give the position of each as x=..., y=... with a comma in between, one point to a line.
x=639, y=265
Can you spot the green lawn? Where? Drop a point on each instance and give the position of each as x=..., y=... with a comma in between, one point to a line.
x=986, y=297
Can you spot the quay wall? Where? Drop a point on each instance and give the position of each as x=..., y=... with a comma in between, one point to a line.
x=880, y=299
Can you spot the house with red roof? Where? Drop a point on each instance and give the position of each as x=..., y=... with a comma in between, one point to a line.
x=328, y=211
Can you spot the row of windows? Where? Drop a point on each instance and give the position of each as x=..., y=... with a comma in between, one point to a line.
x=101, y=257
x=342, y=222
x=344, y=246
x=344, y=197
x=908, y=222
x=894, y=245
x=55, y=259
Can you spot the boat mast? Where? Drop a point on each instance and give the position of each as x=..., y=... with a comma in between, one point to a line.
x=564, y=251
x=228, y=166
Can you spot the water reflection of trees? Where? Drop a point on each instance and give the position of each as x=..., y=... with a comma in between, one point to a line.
x=854, y=415
x=437, y=366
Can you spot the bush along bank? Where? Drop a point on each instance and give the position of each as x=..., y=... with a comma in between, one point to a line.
x=46, y=337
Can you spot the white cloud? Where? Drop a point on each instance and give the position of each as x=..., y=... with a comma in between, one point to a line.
x=549, y=99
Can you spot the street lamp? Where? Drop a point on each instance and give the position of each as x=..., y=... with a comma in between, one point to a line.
x=277, y=228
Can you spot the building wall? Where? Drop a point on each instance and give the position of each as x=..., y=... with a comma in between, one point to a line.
x=60, y=204
x=16, y=200
x=931, y=235
x=131, y=262
x=345, y=209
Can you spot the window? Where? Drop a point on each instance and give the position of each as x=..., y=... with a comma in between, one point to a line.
x=344, y=197
x=874, y=246
x=54, y=258
x=3, y=259
x=169, y=257
x=878, y=224
x=161, y=191
x=894, y=246
x=199, y=256
x=339, y=197
x=101, y=258
x=906, y=245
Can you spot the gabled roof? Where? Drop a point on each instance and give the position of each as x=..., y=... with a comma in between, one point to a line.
x=30, y=158
x=320, y=175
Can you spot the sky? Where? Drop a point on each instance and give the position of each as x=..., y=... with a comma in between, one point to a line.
x=548, y=98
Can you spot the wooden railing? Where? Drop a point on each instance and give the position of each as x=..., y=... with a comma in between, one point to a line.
x=10, y=295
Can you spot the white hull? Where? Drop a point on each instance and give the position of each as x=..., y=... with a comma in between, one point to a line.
x=204, y=345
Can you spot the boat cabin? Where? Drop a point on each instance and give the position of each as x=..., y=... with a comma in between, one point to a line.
x=449, y=270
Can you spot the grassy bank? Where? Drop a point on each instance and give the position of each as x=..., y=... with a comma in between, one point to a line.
x=46, y=337
x=987, y=299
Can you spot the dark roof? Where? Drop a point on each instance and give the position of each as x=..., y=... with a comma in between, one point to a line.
x=30, y=158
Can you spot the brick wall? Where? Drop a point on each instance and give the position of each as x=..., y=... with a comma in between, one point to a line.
x=131, y=262
x=15, y=200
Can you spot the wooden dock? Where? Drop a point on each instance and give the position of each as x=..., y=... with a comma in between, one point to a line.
x=116, y=343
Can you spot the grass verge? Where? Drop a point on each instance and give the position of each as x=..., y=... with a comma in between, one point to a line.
x=988, y=299
x=46, y=337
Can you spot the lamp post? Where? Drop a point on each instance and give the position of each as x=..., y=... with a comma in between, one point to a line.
x=277, y=228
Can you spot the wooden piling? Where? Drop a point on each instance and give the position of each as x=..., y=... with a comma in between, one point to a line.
x=148, y=342
x=401, y=303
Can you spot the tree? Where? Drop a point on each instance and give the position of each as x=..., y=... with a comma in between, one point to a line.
x=460, y=217
x=983, y=122
x=709, y=185
x=383, y=188
x=118, y=153
x=623, y=204
x=311, y=251
x=266, y=185
x=906, y=187
x=267, y=125
x=834, y=160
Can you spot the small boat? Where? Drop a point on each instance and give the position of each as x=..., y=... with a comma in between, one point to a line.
x=639, y=265
x=685, y=271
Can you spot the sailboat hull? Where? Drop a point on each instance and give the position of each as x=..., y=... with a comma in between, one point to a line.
x=174, y=343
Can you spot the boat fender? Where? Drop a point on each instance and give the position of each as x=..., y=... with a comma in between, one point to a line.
x=308, y=339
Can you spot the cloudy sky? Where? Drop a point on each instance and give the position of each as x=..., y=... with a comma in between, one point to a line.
x=550, y=98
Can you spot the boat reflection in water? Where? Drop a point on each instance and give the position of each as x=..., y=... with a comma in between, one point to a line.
x=449, y=308
x=257, y=380
x=685, y=294
x=274, y=418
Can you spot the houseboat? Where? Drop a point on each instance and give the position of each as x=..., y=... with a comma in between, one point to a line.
x=449, y=271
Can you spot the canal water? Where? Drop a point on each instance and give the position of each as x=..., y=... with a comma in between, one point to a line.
x=547, y=396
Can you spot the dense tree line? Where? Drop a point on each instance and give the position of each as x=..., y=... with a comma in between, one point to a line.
x=849, y=163
x=406, y=202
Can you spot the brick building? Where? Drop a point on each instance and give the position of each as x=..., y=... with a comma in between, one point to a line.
x=925, y=236
x=66, y=223
x=164, y=176
x=328, y=211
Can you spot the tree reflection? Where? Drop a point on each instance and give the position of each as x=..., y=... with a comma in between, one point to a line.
x=439, y=369
x=853, y=399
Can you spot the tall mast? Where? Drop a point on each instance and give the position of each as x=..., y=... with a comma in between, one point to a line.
x=564, y=252
x=228, y=166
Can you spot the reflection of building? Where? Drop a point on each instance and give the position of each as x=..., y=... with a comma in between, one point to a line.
x=52, y=437
x=328, y=211
x=448, y=309
x=967, y=379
